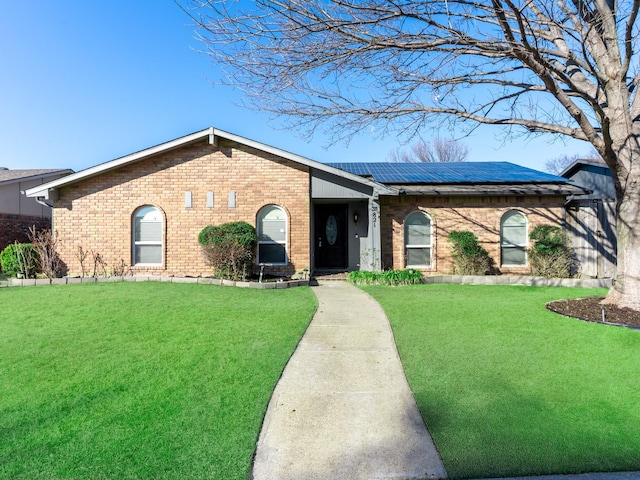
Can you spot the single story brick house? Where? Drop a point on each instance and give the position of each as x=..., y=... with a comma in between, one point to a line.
x=18, y=213
x=147, y=208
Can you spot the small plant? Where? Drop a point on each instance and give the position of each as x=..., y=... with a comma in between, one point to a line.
x=387, y=277
x=99, y=265
x=469, y=258
x=550, y=255
x=81, y=255
x=19, y=259
x=301, y=275
x=121, y=269
x=229, y=248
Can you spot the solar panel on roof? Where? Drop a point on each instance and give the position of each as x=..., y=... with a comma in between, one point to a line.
x=447, y=173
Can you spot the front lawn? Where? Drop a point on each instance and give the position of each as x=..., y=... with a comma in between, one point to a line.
x=508, y=389
x=140, y=380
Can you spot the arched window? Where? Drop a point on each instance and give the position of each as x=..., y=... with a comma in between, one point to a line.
x=272, y=235
x=513, y=239
x=147, y=236
x=417, y=240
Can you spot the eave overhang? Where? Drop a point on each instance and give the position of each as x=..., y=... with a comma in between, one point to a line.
x=481, y=190
x=212, y=135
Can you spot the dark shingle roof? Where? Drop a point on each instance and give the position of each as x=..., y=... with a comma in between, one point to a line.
x=15, y=175
x=448, y=173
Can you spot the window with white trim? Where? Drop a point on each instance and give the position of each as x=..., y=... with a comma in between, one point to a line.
x=147, y=236
x=513, y=239
x=272, y=235
x=417, y=240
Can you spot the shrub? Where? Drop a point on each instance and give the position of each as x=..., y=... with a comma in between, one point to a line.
x=229, y=248
x=387, y=277
x=19, y=258
x=45, y=245
x=469, y=258
x=550, y=255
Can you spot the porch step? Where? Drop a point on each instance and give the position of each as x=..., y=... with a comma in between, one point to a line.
x=330, y=276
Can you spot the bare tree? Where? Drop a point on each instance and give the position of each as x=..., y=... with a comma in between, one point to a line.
x=440, y=150
x=563, y=67
x=558, y=164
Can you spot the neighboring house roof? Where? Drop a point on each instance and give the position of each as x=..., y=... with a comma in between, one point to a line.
x=212, y=134
x=594, y=176
x=584, y=162
x=463, y=178
x=12, y=176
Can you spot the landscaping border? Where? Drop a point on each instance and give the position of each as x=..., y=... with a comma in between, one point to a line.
x=524, y=280
x=32, y=282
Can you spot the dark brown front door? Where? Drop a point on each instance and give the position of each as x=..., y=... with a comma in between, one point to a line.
x=331, y=236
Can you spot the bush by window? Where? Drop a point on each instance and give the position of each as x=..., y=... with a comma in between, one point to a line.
x=550, y=255
x=469, y=258
x=229, y=248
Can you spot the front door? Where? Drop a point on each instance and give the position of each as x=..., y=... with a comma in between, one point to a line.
x=331, y=236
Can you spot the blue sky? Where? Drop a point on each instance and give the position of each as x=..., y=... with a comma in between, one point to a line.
x=82, y=83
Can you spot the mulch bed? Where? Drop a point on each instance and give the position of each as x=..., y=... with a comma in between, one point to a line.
x=590, y=309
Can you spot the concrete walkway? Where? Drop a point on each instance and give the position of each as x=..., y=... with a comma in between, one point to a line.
x=343, y=408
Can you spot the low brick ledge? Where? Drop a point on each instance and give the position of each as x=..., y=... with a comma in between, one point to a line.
x=32, y=282
x=524, y=280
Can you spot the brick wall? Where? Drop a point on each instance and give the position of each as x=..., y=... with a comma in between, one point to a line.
x=15, y=228
x=480, y=215
x=96, y=214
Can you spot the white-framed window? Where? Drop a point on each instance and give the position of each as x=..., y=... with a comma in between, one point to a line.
x=147, y=236
x=513, y=239
x=272, y=235
x=417, y=240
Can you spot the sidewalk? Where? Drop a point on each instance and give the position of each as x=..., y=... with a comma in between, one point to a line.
x=343, y=408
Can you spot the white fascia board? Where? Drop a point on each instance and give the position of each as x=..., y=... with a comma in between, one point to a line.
x=212, y=134
x=37, y=192
x=118, y=162
x=378, y=187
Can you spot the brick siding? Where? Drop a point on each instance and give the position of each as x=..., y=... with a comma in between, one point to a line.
x=96, y=213
x=15, y=228
x=480, y=215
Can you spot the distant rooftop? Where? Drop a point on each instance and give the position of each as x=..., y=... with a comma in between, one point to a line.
x=448, y=173
x=7, y=175
x=585, y=163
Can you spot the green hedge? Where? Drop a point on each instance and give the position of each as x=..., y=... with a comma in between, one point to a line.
x=229, y=248
x=387, y=277
x=469, y=258
x=19, y=258
x=550, y=256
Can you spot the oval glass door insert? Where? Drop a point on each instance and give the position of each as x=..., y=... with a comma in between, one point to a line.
x=331, y=230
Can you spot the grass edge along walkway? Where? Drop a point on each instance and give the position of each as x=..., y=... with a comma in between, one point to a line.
x=140, y=380
x=507, y=388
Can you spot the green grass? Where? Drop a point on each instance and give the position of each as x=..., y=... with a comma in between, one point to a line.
x=508, y=389
x=140, y=380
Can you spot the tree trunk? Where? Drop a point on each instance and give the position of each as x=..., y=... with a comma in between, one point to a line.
x=626, y=288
